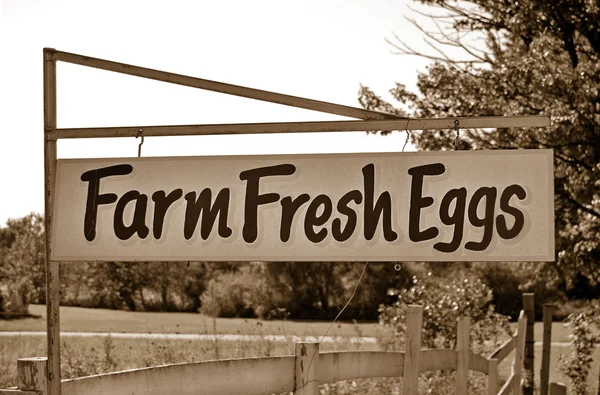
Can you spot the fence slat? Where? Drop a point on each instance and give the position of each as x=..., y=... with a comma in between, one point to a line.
x=508, y=386
x=492, y=378
x=546, y=341
x=504, y=350
x=307, y=360
x=436, y=359
x=558, y=389
x=479, y=363
x=519, y=353
x=256, y=376
x=414, y=321
x=528, y=371
x=462, y=362
x=352, y=365
x=32, y=374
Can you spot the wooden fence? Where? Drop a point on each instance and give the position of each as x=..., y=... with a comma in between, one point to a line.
x=300, y=373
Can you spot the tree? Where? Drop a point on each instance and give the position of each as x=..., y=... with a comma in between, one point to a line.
x=321, y=289
x=537, y=58
x=307, y=289
x=22, y=258
x=445, y=300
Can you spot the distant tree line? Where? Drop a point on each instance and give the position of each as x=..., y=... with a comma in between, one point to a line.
x=228, y=289
x=295, y=290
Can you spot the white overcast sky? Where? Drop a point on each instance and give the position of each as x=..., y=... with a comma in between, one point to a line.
x=319, y=49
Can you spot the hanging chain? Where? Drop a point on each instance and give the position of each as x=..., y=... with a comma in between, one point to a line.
x=139, y=134
x=408, y=135
x=456, y=125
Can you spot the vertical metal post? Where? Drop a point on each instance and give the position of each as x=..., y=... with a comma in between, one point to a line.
x=52, y=267
x=528, y=375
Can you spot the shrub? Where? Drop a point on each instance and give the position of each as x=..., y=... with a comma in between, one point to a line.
x=577, y=365
x=509, y=280
x=236, y=294
x=504, y=281
x=445, y=300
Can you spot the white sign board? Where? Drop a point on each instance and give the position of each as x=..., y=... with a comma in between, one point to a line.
x=425, y=206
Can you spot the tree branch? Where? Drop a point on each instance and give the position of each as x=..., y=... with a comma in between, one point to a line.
x=579, y=205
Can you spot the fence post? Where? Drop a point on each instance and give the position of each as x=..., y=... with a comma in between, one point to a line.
x=492, y=381
x=546, y=345
x=528, y=375
x=462, y=362
x=519, y=353
x=558, y=389
x=414, y=322
x=32, y=374
x=305, y=378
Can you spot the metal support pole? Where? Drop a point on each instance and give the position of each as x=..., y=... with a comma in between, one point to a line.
x=52, y=267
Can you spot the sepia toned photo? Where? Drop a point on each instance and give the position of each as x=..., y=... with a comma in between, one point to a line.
x=300, y=197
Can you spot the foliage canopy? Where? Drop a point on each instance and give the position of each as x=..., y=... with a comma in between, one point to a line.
x=533, y=58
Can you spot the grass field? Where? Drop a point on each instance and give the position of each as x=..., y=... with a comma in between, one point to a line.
x=76, y=319
x=85, y=356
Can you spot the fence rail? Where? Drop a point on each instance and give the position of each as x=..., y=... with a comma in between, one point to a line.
x=300, y=373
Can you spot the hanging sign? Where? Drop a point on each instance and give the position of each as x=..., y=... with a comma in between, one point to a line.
x=424, y=206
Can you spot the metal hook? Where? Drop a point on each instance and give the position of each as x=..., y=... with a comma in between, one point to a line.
x=407, y=134
x=456, y=125
x=139, y=134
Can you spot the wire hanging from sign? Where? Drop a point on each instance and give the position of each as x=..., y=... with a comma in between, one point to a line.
x=341, y=311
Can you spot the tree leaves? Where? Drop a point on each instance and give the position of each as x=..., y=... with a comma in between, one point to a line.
x=543, y=58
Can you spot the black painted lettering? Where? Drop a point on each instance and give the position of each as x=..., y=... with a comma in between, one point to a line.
x=418, y=201
x=313, y=219
x=501, y=225
x=138, y=225
x=94, y=198
x=162, y=202
x=343, y=208
x=203, y=205
x=372, y=213
x=289, y=207
x=487, y=222
x=254, y=198
x=457, y=218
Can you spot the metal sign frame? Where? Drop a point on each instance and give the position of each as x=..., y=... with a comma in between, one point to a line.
x=366, y=120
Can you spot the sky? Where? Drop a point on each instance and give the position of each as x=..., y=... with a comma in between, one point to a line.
x=318, y=49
